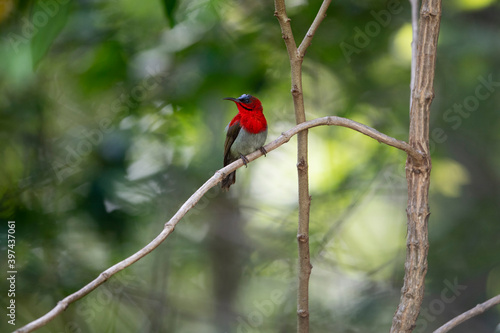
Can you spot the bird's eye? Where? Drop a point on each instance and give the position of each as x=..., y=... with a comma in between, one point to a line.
x=245, y=98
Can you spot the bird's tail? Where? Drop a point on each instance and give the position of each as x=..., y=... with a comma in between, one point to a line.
x=228, y=181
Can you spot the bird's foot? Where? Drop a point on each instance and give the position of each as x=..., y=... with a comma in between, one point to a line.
x=263, y=150
x=244, y=159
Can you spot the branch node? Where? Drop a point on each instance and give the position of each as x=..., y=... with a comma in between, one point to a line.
x=302, y=238
x=429, y=95
x=63, y=304
x=423, y=167
x=303, y=313
x=168, y=224
x=428, y=13
x=413, y=244
x=409, y=295
x=302, y=165
x=300, y=55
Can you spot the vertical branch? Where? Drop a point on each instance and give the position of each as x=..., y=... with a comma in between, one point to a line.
x=302, y=170
x=296, y=57
x=414, y=29
x=418, y=173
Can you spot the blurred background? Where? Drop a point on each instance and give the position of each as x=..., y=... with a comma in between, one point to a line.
x=112, y=115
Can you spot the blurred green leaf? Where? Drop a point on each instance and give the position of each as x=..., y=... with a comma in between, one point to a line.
x=170, y=7
x=47, y=19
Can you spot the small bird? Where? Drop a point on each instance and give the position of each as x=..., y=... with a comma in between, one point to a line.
x=246, y=133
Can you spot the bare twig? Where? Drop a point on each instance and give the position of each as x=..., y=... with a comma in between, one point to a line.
x=193, y=200
x=296, y=57
x=286, y=27
x=418, y=172
x=414, y=28
x=314, y=26
x=478, y=309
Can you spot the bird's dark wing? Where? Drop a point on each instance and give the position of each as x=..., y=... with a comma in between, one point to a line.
x=231, y=134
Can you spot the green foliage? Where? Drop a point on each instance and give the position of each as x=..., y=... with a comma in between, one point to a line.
x=47, y=20
x=169, y=8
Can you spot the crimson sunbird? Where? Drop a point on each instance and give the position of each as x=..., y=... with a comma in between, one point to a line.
x=246, y=133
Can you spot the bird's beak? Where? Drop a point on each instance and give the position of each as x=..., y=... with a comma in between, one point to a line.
x=231, y=99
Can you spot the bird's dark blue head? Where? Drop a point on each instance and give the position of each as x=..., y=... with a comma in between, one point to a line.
x=246, y=102
x=245, y=99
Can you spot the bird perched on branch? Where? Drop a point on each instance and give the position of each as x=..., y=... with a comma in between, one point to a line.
x=246, y=133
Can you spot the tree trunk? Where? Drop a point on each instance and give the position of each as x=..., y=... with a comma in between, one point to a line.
x=418, y=172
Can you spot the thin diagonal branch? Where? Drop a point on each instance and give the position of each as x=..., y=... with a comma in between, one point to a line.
x=312, y=30
x=477, y=310
x=193, y=200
